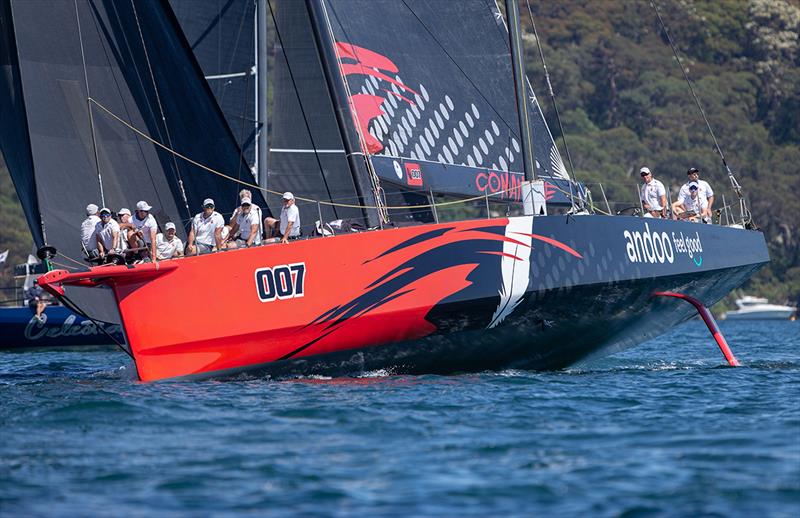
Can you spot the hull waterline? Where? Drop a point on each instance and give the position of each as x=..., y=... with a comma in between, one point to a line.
x=533, y=293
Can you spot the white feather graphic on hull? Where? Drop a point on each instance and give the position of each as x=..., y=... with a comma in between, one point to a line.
x=515, y=267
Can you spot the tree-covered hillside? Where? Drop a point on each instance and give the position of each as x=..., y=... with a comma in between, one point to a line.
x=625, y=104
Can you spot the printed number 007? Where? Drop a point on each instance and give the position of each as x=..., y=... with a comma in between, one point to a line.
x=280, y=282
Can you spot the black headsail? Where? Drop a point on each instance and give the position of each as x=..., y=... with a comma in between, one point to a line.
x=139, y=66
x=430, y=86
x=14, y=142
x=221, y=36
x=309, y=152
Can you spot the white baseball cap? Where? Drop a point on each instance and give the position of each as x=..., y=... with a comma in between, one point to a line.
x=105, y=210
x=124, y=211
x=288, y=196
x=246, y=201
x=169, y=225
x=91, y=209
x=142, y=205
x=208, y=201
x=645, y=170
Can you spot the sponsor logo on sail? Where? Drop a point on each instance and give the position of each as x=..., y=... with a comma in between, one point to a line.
x=660, y=247
x=413, y=174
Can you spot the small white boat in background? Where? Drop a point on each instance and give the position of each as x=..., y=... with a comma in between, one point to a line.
x=755, y=308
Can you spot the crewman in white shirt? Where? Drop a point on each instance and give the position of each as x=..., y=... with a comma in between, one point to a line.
x=88, y=226
x=146, y=228
x=653, y=195
x=168, y=244
x=245, y=193
x=693, y=206
x=206, y=231
x=245, y=227
x=125, y=226
x=289, y=224
x=107, y=235
x=704, y=191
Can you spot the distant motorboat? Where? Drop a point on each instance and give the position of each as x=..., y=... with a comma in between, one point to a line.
x=756, y=308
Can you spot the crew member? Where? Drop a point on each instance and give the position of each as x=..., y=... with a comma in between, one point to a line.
x=125, y=226
x=704, y=190
x=145, y=230
x=37, y=301
x=107, y=235
x=653, y=195
x=168, y=244
x=206, y=231
x=246, y=225
x=245, y=193
x=694, y=206
x=88, y=227
x=289, y=223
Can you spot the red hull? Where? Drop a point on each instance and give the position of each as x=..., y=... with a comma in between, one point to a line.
x=204, y=314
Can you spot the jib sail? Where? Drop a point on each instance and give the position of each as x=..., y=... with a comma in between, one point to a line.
x=221, y=36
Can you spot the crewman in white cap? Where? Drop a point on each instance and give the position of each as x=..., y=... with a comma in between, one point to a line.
x=289, y=223
x=145, y=232
x=245, y=229
x=106, y=235
x=168, y=244
x=88, y=227
x=653, y=194
x=125, y=227
x=206, y=231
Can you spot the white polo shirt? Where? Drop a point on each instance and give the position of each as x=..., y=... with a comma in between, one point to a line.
x=695, y=205
x=246, y=222
x=145, y=225
x=291, y=214
x=204, y=228
x=105, y=234
x=88, y=227
x=166, y=249
x=652, y=192
x=703, y=190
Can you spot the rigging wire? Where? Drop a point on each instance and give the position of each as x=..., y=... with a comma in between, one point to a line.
x=89, y=106
x=463, y=72
x=377, y=188
x=302, y=112
x=277, y=193
x=160, y=108
x=555, y=105
x=745, y=212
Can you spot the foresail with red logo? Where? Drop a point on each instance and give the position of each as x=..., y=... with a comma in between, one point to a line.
x=440, y=100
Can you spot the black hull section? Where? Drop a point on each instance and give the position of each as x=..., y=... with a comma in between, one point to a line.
x=575, y=308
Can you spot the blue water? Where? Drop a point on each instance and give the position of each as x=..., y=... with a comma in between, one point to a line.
x=662, y=430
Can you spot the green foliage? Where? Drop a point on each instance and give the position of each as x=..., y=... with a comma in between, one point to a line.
x=15, y=236
x=625, y=104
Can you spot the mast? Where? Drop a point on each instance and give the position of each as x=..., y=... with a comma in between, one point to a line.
x=529, y=193
x=324, y=40
x=262, y=144
x=518, y=69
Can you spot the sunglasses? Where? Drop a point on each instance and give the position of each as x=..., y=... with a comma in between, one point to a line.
x=208, y=206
